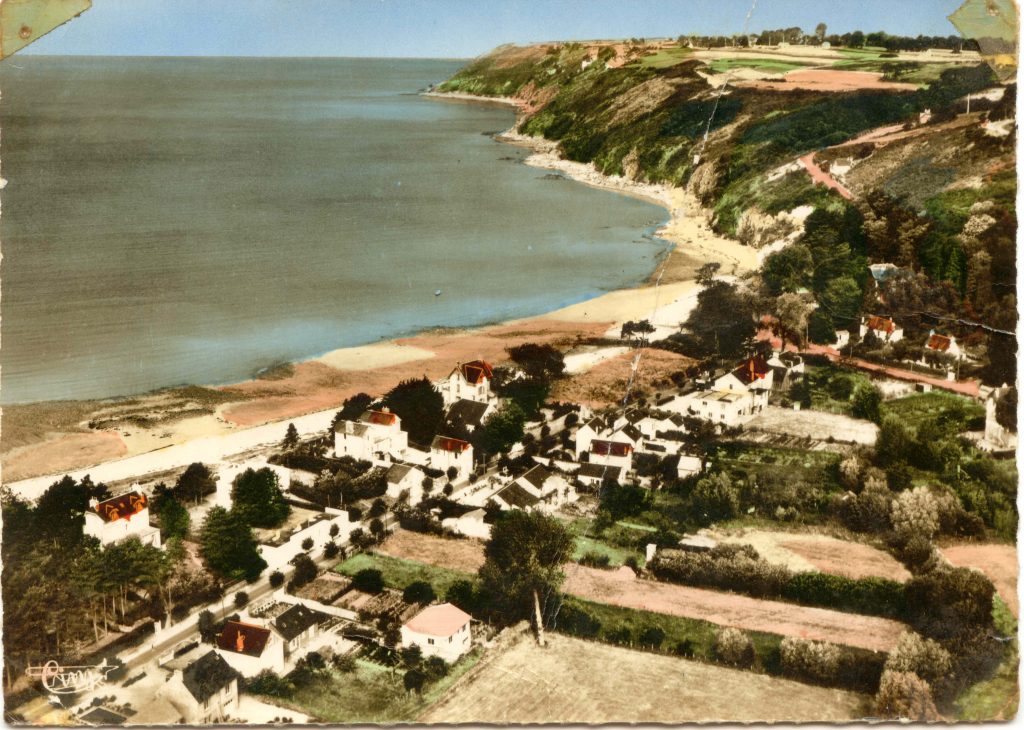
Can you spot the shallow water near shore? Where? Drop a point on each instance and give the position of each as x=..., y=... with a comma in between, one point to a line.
x=174, y=221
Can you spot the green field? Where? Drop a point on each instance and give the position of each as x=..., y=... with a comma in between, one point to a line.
x=995, y=698
x=589, y=540
x=915, y=409
x=721, y=65
x=398, y=573
x=666, y=58
x=371, y=694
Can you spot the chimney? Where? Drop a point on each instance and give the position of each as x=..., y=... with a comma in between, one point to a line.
x=240, y=641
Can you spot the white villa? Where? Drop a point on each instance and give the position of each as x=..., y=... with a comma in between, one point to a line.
x=442, y=630
x=205, y=691
x=612, y=453
x=733, y=398
x=376, y=437
x=469, y=381
x=405, y=478
x=446, y=452
x=249, y=649
x=882, y=327
x=121, y=517
x=297, y=627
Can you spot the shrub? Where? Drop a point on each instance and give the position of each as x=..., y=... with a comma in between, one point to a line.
x=276, y=579
x=876, y=596
x=344, y=663
x=270, y=684
x=735, y=648
x=652, y=637
x=241, y=598
x=915, y=513
x=814, y=661
x=573, y=620
x=948, y=602
x=923, y=657
x=368, y=580
x=331, y=550
x=418, y=592
x=619, y=635
x=684, y=648
x=715, y=498
x=307, y=544
x=414, y=680
x=595, y=560
x=905, y=696
x=435, y=667
x=305, y=570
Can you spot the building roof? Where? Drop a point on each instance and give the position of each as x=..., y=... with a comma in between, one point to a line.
x=398, y=472
x=632, y=432
x=297, y=619
x=243, y=638
x=752, y=369
x=881, y=324
x=379, y=418
x=447, y=443
x=600, y=471
x=121, y=508
x=207, y=676
x=610, y=448
x=515, y=496
x=475, y=371
x=939, y=343
x=442, y=620
x=102, y=716
x=537, y=476
x=465, y=412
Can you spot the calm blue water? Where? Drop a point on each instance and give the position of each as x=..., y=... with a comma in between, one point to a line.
x=173, y=221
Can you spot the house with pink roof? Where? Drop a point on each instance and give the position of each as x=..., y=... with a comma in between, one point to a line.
x=442, y=630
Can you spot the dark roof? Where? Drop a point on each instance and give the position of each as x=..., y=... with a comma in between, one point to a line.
x=465, y=412
x=515, y=496
x=633, y=432
x=610, y=448
x=122, y=507
x=751, y=369
x=447, y=443
x=635, y=416
x=599, y=471
x=397, y=472
x=537, y=476
x=102, y=716
x=297, y=619
x=242, y=638
x=475, y=371
x=596, y=423
x=207, y=676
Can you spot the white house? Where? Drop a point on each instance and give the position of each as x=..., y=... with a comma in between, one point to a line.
x=280, y=546
x=249, y=649
x=405, y=478
x=298, y=626
x=595, y=474
x=943, y=345
x=841, y=166
x=611, y=453
x=470, y=524
x=537, y=489
x=442, y=630
x=754, y=376
x=469, y=381
x=842, y=339
x=119, y=518
x=882, y=327
x=205, y=691
x=594, y=428
x=446, y=452
x=377, y=437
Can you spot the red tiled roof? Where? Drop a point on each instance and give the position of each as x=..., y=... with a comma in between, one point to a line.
x=242, y=638
x=610, y=448
x=476, y=371
x=441, y=620
x=122, y=507
x=447, y=443
x=751, y=369
x=380, y=418
x=938, y=342
x=881, y=324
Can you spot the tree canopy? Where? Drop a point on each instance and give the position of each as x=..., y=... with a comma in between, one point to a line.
x=229, y=547
x=256, y=498
x=420, y=407
x=195, y=483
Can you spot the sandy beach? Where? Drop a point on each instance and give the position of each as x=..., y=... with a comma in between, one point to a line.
x=323, y=383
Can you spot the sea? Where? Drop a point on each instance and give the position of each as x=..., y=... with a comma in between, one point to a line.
x=172, y=221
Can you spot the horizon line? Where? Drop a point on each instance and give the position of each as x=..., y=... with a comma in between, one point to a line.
x=244, y=57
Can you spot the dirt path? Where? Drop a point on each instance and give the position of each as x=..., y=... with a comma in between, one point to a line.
x=820, y=176
x=576, y=681
x=620, y=588
x=727, y=609
x=998, y=562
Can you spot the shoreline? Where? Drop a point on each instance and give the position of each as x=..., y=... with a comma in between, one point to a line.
x=313, y=387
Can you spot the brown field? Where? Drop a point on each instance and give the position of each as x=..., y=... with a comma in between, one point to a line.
x=729, y=609
x=621, y=588
x=569, y=681
x=64, y=452
x=605, y=383
x=820, y=79
x=465, y=555
x=998, y=562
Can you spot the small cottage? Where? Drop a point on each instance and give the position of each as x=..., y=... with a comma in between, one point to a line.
x=442, y=630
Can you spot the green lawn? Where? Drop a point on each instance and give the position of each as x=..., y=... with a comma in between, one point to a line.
x=721, y=65
x=754, y=459
x=589, y=540
x=995, y=698
x=666, y=58
x=399, y=573
x=371, y=694
x=914, y=409
x=832, y=388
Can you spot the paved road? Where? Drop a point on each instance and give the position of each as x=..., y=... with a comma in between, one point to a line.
x=206, y=450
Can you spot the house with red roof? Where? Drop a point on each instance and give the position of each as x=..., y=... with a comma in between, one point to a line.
x=442, y=630
x=121, y=517
x=468, y=381
x=943, y=345
x=754, y=376
x=612, y=453
x=446, y=452
x=882, y=328
x=376, y=436
x=249, y=649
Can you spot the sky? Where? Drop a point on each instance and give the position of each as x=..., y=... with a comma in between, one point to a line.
x=448, y=28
